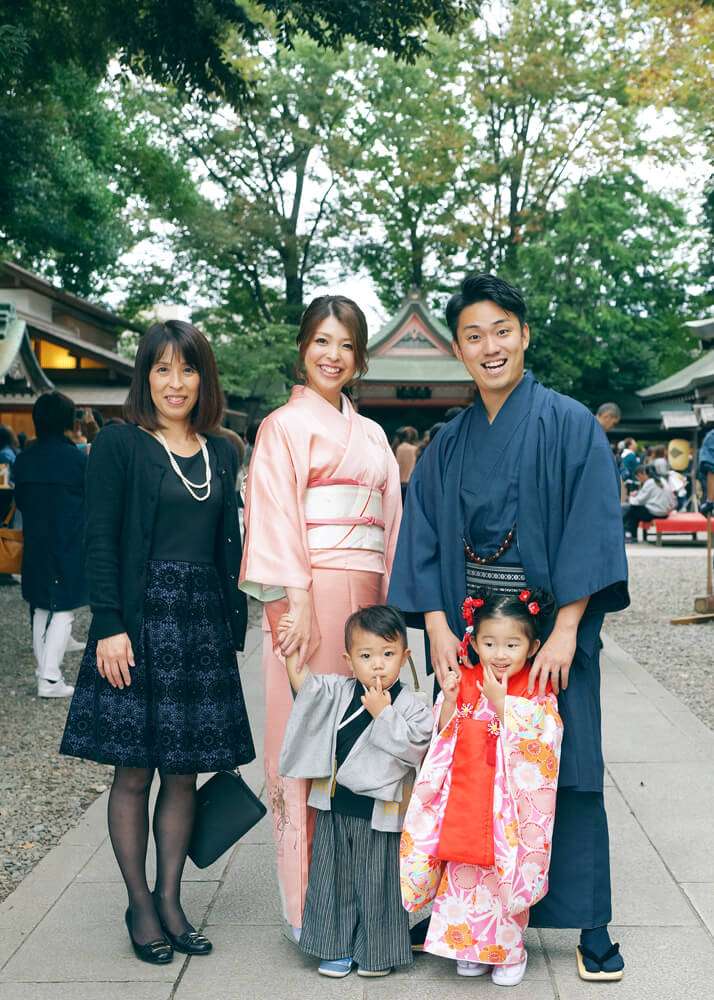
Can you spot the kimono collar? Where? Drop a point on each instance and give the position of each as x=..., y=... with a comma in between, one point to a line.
x=305, y=392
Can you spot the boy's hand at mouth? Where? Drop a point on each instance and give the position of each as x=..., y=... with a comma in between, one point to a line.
x=375, y=700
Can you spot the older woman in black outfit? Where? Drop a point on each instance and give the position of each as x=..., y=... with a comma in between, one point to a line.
x=159, y=686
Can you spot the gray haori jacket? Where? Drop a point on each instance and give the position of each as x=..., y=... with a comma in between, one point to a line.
x=381, y=765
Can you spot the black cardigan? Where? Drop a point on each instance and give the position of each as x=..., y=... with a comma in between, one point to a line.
x=123, y=482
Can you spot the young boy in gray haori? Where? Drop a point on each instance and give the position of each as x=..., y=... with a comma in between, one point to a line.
x=360, y=739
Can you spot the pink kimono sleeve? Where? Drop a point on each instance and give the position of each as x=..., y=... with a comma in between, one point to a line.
x=531, y=738
x=275, y=553
x=392, y=512
x=420, y=870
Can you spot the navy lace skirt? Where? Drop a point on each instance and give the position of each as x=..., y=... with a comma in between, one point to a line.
x=184, y=710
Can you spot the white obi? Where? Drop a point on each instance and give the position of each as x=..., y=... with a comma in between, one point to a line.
x=344, y=514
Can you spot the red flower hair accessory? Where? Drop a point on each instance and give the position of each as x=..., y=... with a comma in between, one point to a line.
x=534, y=607
x=525, y=595
x=470, y=605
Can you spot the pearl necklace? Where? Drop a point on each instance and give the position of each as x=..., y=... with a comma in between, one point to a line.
x=175, y=466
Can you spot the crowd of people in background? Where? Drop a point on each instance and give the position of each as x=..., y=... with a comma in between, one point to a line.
x=408, y=446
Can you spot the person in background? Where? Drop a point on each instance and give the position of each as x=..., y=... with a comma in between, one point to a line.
x=706, y=473
x=250, y=435
x=9, y=448
x=629, y=462
x=429, y=437
x=608, y=416
x=653, y=499
x=49, y=492
x=452, y=412
x=406, y=455
x=660, y=460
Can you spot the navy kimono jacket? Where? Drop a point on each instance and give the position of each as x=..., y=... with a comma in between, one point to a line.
x=570, y=539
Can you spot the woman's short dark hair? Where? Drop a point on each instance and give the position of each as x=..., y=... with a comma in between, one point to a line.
x=193, y=347
x=345, y=311
x=383, y=620
x=484, y=288
x=52, y=414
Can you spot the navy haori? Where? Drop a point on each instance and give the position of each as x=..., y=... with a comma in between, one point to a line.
x=184, y=710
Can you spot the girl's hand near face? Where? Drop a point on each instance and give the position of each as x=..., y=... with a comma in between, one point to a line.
x=450, y=690
x=494, y=690
x=451, y=687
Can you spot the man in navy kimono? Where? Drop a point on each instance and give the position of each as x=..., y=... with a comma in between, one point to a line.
x=520, y=489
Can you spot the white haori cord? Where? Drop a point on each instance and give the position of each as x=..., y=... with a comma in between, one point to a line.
x=175, y=466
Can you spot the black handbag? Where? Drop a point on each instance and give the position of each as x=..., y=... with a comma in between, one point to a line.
x=226, y=808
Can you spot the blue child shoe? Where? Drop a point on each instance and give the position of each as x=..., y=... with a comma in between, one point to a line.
x=337, y=969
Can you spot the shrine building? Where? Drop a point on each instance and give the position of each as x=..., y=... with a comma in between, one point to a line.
x=413, y=376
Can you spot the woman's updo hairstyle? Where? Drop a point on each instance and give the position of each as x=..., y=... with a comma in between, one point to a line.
x=346, y=312
x=532, y=609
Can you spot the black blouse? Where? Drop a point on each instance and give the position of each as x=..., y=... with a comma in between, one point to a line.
x=185, y=528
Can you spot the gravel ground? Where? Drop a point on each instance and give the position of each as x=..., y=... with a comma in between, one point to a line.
x=42, y=794
x=681, y=657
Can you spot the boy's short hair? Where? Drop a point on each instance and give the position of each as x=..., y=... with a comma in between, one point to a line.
x=380, y=619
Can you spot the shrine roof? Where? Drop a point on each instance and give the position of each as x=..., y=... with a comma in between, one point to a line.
x=422, y=370
x=413, y=304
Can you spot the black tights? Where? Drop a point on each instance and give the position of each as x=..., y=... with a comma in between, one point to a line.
x=129, y=832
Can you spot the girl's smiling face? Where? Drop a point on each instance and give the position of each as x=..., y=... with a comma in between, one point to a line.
x=504, y=645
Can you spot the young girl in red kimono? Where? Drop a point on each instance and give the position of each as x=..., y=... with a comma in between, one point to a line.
x=478, y=830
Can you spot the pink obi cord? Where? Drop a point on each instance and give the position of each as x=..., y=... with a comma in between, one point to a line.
x=360, y=519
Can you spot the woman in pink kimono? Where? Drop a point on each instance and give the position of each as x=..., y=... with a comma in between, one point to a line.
x=478, y=830
x=322, y=513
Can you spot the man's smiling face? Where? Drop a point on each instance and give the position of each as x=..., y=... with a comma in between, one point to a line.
x=491, y=343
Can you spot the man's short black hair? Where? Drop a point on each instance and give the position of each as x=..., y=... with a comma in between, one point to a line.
x=484, y=288
x=380, y=619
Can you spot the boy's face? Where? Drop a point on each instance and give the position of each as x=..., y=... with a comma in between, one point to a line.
x=372, y=656
x=503, y=645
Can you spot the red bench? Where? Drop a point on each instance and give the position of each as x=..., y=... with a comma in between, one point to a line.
x=676, y=524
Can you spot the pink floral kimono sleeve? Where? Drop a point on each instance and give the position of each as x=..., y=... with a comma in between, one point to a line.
x=523, y=825
x=420, y=870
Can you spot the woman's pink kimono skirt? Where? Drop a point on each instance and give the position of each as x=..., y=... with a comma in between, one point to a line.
x=323, y=506
x=480, y=913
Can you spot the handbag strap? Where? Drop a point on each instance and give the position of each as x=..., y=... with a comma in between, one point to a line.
x=9, y=516
x=415, y=677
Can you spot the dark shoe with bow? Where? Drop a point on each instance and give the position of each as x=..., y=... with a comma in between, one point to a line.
x=157, y=952
x=190, y=942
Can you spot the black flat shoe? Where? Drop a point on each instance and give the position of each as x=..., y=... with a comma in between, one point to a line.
x=190, y=942
x=157, y=952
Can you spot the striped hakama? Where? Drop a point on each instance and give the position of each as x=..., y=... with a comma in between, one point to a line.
x=354, y=905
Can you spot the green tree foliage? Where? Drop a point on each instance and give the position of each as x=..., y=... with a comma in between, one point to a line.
x=606, y=289
x=472, y=148
x=189, y=43
x=407, y=182
x=263, y=220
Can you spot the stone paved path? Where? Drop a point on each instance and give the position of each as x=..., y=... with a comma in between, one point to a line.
x=62, y=935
